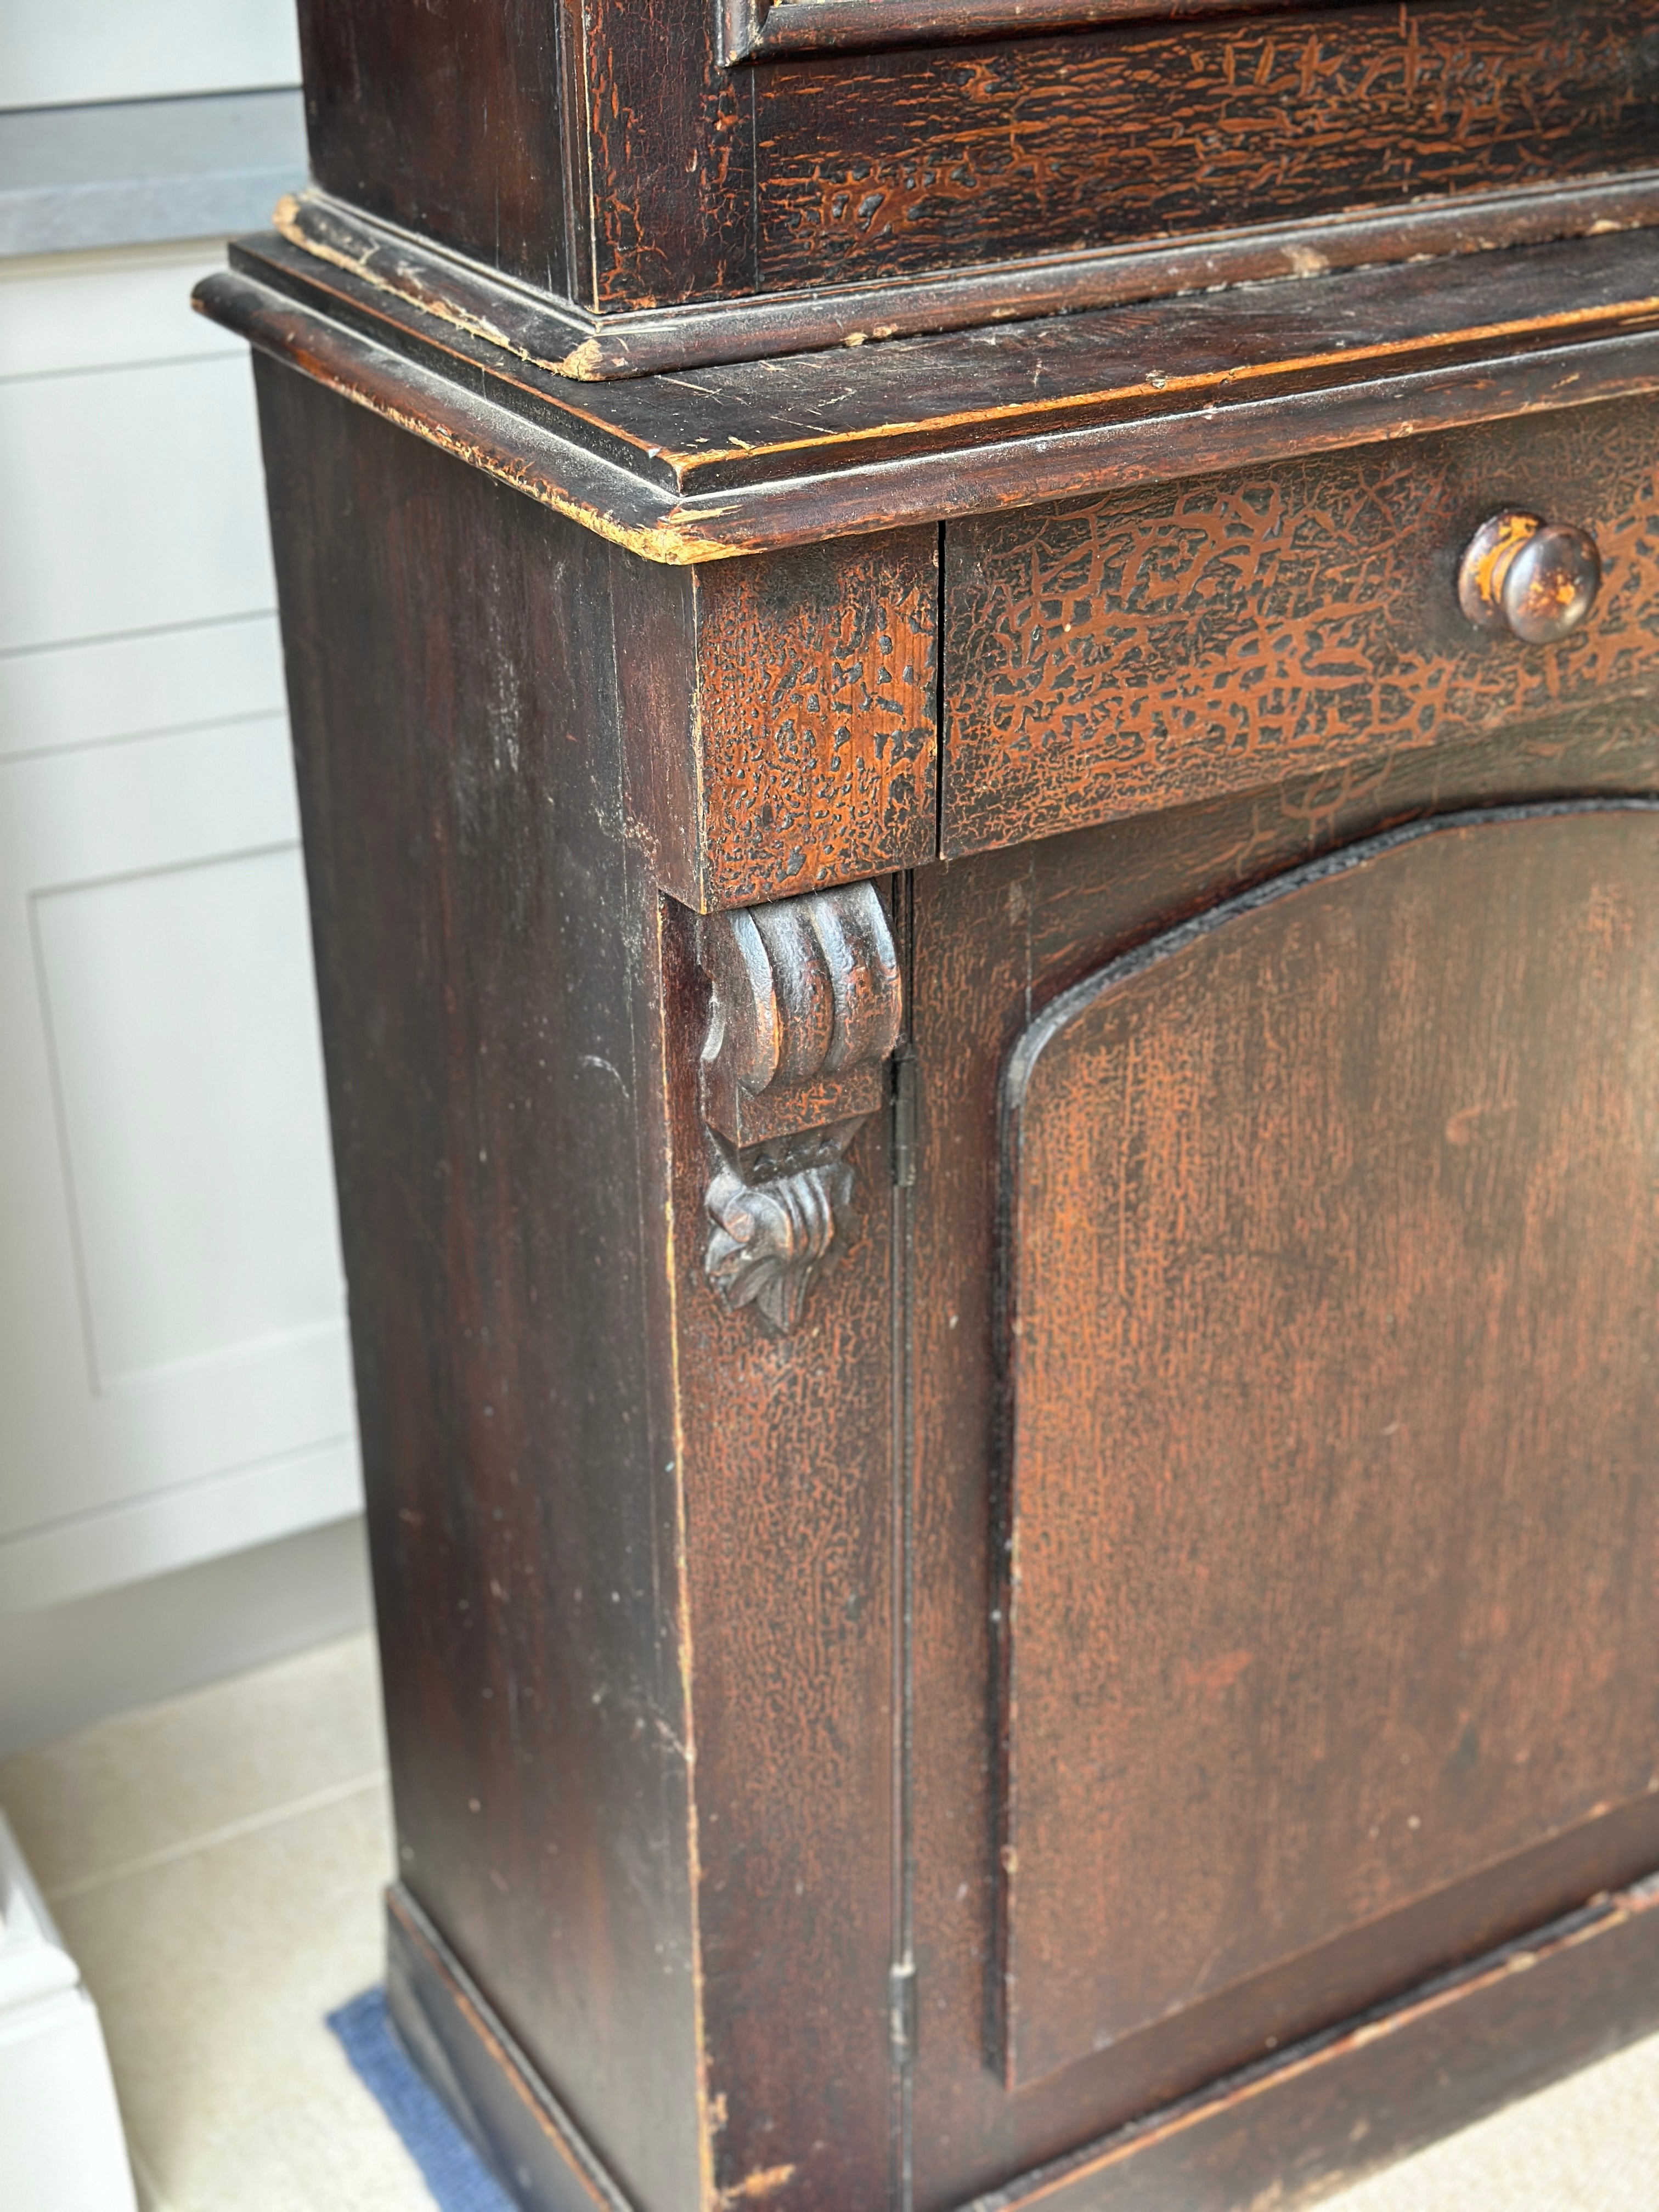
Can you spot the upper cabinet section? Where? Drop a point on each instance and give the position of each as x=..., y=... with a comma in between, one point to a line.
x=699, y=179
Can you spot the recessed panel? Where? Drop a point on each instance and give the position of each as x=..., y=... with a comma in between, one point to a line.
x=1334, y=1276
x=192, y=1121
x=133, y=502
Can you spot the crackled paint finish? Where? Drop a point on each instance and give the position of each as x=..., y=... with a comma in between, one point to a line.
x=893, y=165
x=1332, y=1231
x=607, y=154
x=1151, y=648
x=816, y=714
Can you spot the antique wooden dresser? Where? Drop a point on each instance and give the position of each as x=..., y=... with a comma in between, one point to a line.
x=974, y=690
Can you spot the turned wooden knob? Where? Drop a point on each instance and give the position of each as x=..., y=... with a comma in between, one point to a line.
x=1537, y=580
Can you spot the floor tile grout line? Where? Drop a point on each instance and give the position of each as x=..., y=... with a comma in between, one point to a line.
x=292, y=1808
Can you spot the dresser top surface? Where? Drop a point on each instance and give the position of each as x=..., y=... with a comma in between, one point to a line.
x=692, y=466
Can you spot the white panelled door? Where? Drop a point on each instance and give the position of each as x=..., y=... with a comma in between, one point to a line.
x=173, y=1372
x=77, y=51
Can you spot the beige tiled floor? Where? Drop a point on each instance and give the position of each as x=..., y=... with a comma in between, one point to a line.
x=215, y=1865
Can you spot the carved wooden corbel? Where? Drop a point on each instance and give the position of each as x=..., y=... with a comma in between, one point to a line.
x=805, y=1010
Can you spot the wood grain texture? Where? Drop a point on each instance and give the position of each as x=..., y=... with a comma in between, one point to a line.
x=897, y=163
x=783, y=715
x=559, y=334
x=1151, y=648
x=487, y=964
x=669, y=156
x=1332, y=1231
x=998, y=936
x=445, y=121
x=687, y=471
x=1293, y=2131
x=786, y=1445
x=798, y=27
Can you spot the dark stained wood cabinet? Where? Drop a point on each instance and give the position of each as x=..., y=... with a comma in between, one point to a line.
x=975, y=690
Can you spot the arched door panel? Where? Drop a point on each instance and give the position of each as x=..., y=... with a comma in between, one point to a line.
x=1331, y=1611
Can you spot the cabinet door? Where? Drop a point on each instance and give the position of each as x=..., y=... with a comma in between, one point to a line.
x=1332, y=1585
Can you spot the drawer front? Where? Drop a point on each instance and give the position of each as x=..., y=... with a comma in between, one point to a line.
x=902, y=163
x=1157, y=647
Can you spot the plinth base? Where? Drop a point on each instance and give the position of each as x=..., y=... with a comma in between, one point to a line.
x=1314, y=2119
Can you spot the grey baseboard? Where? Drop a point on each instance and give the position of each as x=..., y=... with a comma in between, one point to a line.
x=66, y=1665
x=130, y=173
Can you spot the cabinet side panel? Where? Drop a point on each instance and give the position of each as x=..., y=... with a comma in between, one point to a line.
x=445, y=120
x=488, y=969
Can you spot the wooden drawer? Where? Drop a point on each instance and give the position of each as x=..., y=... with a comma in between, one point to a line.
x=1155, y=646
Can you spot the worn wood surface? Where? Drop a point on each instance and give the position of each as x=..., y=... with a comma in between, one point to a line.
x=609, y=156
x=816, y=735
x=1331, y=1226
x=632, y=1551
x=1290, y=2133
x=468, y=2055
x=894, y=164
x=487, y=973
x=785, y=1441
x=445, y=121
x=997, y=938
x=797, y=26
x=782, y=716
x=685, y=469
x=552, y=332
x=1147, y=649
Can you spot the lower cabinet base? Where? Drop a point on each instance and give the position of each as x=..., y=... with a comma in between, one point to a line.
x=1329, y=2110
x=1288, y=2131
x=452, y=2035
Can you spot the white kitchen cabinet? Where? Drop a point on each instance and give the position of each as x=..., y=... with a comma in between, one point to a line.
x=88, y=50
x=173, y=1373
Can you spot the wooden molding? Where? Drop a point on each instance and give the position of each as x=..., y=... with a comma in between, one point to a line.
x=769, y=1238
x=806, y=1009
x=759, y=29
x=1345, y=2104
x=684, y=471
x=555, y=334
x=493, y=2092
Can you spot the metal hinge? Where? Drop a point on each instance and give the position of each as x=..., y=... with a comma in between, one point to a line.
x=902, y=2009
x=904, y=1119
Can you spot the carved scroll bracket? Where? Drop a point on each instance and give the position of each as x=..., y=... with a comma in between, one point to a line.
x=805, y=1010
